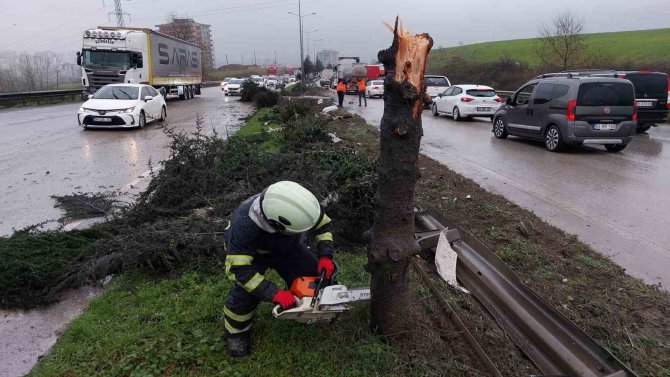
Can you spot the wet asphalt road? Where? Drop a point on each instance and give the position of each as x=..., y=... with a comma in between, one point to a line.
x=44, y=152
x=617, y=203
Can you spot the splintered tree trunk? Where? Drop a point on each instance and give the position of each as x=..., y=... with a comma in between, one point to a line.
x=392, y=239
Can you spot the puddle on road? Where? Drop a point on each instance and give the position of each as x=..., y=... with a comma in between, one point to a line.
x=25, y=335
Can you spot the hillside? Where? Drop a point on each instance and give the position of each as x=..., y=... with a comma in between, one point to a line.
x=641, y=46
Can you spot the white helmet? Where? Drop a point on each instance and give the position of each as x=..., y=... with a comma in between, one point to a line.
x=290, y=208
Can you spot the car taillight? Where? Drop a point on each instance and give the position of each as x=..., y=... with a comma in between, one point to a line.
x=467, y=99
x=498, y=99
x=570, y=110
x=634, y=117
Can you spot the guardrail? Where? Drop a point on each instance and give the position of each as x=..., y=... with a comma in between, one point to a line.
x=504, y=93
x=10, y=99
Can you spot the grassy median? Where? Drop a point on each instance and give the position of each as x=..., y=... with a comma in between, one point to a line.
x=162, y=316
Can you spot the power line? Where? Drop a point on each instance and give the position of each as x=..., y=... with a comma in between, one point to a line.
x=119, y=13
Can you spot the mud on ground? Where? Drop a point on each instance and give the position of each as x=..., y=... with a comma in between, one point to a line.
x=622, y=313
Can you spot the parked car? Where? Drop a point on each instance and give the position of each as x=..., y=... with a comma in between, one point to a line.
x=436, y=84
x=652, y=91
x=122, y=105
x=375, y=88
x=572, y=110
x=258, y=80
x=225, y=82
x=234, y=87
x=466, y=101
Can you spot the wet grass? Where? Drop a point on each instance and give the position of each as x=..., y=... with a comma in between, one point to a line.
x=140, y=327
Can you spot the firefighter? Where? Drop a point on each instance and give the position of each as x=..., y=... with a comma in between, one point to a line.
x=361, y=92
x=341, y=89
x=270, y=230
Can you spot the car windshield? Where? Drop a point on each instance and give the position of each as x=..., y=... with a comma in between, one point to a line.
x=257, y=79
x=227, y=79
x=647, y=83
x=236, y=81
x=481, y=92
x=107, y=59
x=436, y=81
x=605, y=94
x=118, y=92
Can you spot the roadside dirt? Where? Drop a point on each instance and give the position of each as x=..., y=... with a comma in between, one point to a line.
x=622, y=313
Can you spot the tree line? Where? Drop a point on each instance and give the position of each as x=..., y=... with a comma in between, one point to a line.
x=21, y=72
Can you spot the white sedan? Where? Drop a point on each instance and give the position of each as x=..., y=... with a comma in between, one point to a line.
x=466, y=101
x=122, y=105
x=375, y=88
x=233, y=88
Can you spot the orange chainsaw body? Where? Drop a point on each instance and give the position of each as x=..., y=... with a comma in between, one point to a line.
x=304, y=286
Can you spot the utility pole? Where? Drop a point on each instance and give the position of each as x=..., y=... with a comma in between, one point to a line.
x=255, y=58
x=118, y=13
x=302, y=54
x=226, y=59
x=275, y=58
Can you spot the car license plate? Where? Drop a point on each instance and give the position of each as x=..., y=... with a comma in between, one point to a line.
x=604, y=126
x=484, y=109
x=645, y=104
x=102, y=120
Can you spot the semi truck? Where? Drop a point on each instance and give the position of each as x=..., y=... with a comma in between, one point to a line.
x=140, y=56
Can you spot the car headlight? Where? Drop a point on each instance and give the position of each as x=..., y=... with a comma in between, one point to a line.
x=129, y=110
x=81, y=109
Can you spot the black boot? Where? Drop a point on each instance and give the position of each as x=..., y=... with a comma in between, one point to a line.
x=239, y=345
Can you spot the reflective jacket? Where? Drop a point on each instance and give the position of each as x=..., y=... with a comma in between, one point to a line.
x=246, y=242
x=341, y=87
x=361, y=86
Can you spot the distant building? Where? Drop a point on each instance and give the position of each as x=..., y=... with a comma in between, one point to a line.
x=328, y=57
x=200, y=34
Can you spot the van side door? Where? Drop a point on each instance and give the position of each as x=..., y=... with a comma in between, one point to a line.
x=518, y=114
x=539, y=109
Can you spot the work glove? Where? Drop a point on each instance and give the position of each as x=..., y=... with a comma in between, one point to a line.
x=284, y=298
x=325, y=263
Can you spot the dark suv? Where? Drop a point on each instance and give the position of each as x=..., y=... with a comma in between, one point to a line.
x=573, y=110
x=651, y=93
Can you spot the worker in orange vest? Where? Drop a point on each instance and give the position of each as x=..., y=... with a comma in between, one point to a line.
x=341, y=89
x=361, y=92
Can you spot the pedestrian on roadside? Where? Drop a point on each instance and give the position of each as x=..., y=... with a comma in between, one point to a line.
x=361, y=92
x=341, y=89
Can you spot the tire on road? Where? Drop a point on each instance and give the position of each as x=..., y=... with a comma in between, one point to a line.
x=142, y=121
x=553, y=139
x=499, y=128
x=643, y=128
x=456, y=114
x=615, y=147
x=434, y=109
x=163, y=115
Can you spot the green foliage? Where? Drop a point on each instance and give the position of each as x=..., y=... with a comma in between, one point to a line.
x=175, y=327
x=36, y=266
x=646, y=47
x=249, y=90
x=266, y=98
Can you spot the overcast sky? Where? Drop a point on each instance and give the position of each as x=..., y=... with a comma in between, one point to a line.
x=353, y=27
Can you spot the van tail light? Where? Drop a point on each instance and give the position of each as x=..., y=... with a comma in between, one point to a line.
x=498, y=99
x=634, y=117
x=467, y=99
x=570, y=110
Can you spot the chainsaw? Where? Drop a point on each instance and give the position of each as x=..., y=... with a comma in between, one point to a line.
x=318, y=300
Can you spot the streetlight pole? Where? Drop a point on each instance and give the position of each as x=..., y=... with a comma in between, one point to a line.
x=302, y=54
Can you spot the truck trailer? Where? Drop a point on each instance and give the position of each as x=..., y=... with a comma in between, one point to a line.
x=140, y=56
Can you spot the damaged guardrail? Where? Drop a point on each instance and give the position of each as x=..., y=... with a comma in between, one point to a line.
x=552, y=342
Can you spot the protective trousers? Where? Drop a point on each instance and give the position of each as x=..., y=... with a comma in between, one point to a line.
x=362, y=95
x=340, y=98
x=291, y=261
